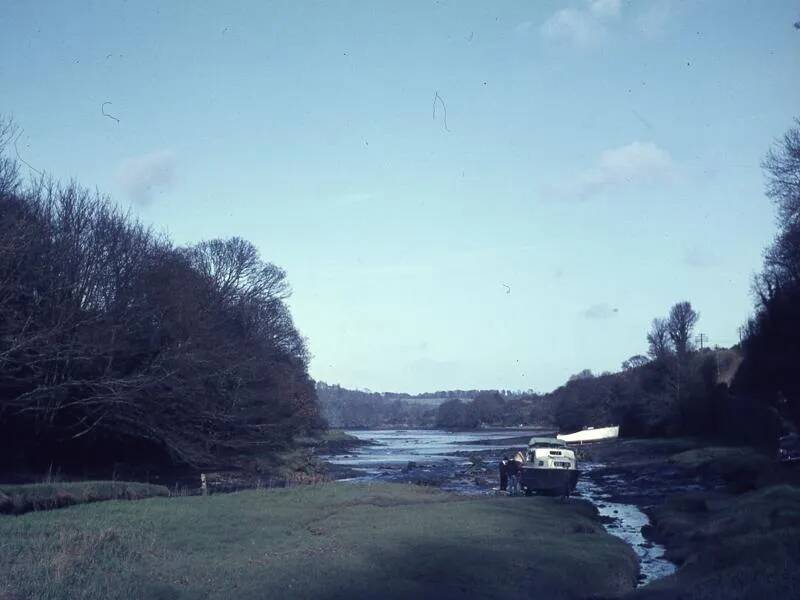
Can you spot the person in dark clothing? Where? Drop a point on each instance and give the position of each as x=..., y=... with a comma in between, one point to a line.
x=513, y=471
x=504, y=474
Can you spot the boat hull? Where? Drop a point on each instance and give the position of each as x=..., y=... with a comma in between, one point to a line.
x=590, y=435
x=548, y=481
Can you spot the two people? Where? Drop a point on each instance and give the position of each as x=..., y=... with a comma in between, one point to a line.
x=510, y=472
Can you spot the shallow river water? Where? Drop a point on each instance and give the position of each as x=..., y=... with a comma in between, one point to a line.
x=433, y=450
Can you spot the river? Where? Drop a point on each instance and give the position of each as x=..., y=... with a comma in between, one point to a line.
x=465, y=462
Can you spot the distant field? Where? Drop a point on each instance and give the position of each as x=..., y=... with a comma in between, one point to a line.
x=432, y=401
x=326, y=541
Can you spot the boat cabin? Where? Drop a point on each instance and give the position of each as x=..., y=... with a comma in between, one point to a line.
x=549, y=453
x=550, y=467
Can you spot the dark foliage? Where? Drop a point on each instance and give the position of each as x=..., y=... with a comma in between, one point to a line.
x=361, y=409
x=768, y=381
x=117, y=346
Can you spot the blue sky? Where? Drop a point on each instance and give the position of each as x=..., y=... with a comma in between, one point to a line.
x=600, y=158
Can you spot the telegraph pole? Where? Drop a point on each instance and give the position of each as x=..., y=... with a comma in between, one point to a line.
x=702, y=337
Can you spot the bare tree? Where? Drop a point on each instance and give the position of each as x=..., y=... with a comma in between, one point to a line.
x=634, y=362
x=782, y=165
x=782, y=259
x=682, y=319
x=113, y=338
x=658, y=339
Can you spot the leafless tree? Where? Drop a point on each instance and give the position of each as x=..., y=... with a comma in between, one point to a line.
x=658, y=339
x=782, y=165
x=110, y=335
x=782, y=258
x=682, y=319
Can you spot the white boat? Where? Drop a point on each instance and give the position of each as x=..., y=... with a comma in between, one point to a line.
x=590, y=434
x=549, y=468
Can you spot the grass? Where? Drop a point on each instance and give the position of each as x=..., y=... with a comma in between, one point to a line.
x=724, y=457
x=732, y=547
x=325, y=541
x=740, y=466
x=17, y=499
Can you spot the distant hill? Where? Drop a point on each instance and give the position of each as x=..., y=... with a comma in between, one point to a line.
x=343, y=407
x=646, y=397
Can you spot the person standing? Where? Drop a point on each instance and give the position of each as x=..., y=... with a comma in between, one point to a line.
x=504, y=474
x=513, y=469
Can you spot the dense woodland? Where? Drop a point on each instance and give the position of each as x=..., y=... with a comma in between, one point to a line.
x=118, y=346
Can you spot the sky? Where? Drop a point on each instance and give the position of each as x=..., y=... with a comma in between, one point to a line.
x=464, y=194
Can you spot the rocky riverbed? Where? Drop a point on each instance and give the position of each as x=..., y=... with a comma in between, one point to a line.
x=625, y=480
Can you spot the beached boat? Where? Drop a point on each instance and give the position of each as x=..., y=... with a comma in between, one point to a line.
x=590, y=434
x=549, y=468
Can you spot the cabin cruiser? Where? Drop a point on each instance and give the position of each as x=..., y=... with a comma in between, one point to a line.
x=550, y=467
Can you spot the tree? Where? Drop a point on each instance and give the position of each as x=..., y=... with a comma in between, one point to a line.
x=455, y=414
x=782, y=259
x=658, y=340
x=585, y=374
x=682, y=319
x=768, y=377
x=634, y=362
x=488, y=407
x=115, y=345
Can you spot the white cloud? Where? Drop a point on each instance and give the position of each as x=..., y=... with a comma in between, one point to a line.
x=523, y=27
x=592, y=21
x=605, y=8
x=633, y=164
x=576, y=26
x=653, y=19
x=143, y=177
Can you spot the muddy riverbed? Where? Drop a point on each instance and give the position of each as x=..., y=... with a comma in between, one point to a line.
x=619, y=478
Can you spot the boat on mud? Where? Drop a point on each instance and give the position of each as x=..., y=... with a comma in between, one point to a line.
x=550, y=467
x=590, y=434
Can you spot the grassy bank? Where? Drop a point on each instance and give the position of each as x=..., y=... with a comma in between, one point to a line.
x=731, y=546
x=326, y=541
x=17, y=499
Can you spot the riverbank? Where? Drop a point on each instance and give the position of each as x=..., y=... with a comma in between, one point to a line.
x=334, y=540
x=662, y=496
x=729, y=517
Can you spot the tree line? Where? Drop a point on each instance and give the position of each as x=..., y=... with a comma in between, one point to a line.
x=749, y=394
x=768, y=380
x=117, y=345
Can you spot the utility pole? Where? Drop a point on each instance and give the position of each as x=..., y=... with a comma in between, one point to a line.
x=702, y=337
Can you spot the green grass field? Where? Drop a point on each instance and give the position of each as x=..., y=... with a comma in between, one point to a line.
x=324, y=541
x=17, y=499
